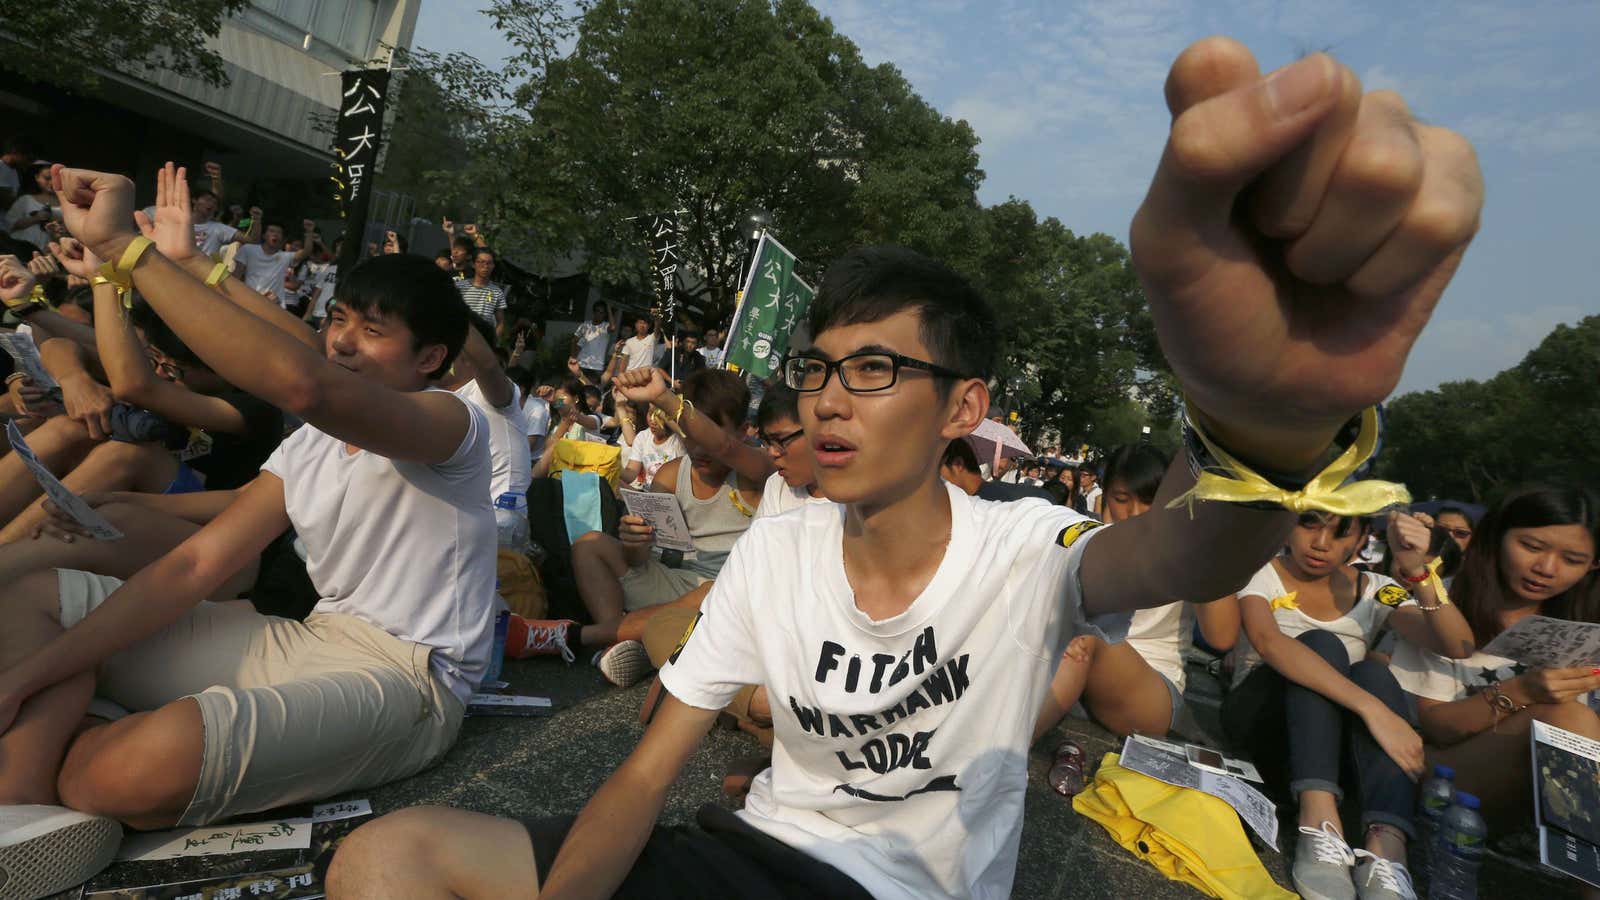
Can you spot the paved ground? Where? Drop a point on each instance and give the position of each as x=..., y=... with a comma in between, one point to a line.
x=549, y=766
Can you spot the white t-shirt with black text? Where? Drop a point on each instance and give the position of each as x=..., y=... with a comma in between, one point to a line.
x=263, y=271
x=901, y=745
x=406, y=546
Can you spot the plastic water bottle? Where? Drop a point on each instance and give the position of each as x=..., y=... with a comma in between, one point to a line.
x=1435, y=796
x=511, y=519
x=1458, y=851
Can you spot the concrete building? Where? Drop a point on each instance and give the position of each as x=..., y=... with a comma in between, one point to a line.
x=270, y=127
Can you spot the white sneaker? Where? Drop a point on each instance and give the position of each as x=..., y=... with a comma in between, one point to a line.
x=1322, y=862
x=624, y=664
x=1377, y=878
x=46, y=849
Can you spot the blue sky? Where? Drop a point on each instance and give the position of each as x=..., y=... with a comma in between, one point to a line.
x=1066, y=98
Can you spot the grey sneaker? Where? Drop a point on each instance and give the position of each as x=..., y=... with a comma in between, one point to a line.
x=1322, y=862
x=1382, y=879
x=46, y=849
x=624, y=664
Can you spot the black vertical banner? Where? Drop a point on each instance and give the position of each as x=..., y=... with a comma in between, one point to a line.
x=355, y=152
x=663, y=242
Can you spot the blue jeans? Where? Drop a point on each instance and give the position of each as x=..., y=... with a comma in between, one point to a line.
x=1301, y=739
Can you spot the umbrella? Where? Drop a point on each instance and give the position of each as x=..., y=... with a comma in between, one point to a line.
x=992, y=435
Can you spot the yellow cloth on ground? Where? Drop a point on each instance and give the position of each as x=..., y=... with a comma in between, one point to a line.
x=1188, y=835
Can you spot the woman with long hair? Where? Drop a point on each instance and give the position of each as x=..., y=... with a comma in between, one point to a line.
x=1533, y=553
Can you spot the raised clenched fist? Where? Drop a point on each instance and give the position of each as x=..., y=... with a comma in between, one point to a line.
x=1294, y=241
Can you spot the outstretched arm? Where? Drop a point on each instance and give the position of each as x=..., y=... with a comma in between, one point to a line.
x=156, y=596
x=424, y=426
x=651, y=386
x=174, y=222
x=611, y=831
x=1315, y=225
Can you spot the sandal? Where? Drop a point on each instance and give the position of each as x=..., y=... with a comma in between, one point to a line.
x=1067, y=773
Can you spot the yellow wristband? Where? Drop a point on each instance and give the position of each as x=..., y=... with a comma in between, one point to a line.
x=38, y=295
x=101, y=279
x=130, y=256
x=218, y=273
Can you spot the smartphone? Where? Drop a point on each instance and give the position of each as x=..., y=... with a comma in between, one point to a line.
x=1206, y=759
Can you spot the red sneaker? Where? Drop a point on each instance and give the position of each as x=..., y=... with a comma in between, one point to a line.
x=537, y=637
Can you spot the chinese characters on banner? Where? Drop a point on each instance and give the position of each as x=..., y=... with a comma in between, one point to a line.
x=774, y=303
x=355, y=151
x=663, y=241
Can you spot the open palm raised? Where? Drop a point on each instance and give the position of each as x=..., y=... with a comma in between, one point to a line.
x=1294, y=242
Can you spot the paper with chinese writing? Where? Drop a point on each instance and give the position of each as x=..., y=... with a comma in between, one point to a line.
x=1156, y=759
x=663, y=513
x=345, y=809
x=217, y=840
x=295, y=883
x=26, y=354
x=1541, y=641
x=59, y=494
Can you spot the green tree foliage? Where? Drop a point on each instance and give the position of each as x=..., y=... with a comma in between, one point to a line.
x=63, y=41
x=1536, y=422
x=716, y=107
x=707, y=107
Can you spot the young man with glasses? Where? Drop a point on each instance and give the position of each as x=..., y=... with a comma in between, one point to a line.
x=795, y=483
x=907, y=632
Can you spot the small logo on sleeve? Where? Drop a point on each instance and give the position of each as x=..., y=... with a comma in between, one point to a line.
x=1071, y=533
x=678, y=650
x=1392, y=595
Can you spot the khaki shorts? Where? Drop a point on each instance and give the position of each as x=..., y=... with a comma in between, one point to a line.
x=293, y=711
x=653, y=584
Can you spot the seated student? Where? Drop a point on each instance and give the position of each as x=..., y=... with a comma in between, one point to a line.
x=795, y=483
x=1536, y=552
x=646, y=450
x=1135, y=686
x=718, y=484
x=572, y=420
x=959, y=466
x=387, y=484
x=231, y=432
x=793, y=486
x=1310, y=619
x=907, y=634
x=478, y=379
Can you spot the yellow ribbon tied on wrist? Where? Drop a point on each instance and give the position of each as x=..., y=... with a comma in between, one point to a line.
x=1327, y=492
x=1437, y=582
x=120, y=273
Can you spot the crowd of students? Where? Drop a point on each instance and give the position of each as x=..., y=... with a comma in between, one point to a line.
x=896, y=620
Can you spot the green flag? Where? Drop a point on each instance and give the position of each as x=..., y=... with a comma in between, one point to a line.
x=773, y=303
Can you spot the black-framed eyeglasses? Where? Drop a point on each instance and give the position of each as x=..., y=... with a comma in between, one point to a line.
x=861, y=373
x=782, y=441
x=1459, y=534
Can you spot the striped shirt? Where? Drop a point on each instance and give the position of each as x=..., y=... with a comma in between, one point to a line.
x=485, y=301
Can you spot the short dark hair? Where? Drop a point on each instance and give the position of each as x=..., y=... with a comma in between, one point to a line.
x=442, y=254
x=202, y=192
x=779, y=402
x=417, y=293
x=960, y=455
x=464, y=243
x=870, y=284
x=1454, y=510
x=1139, y=468
x=719, y=395
x=482, y=250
